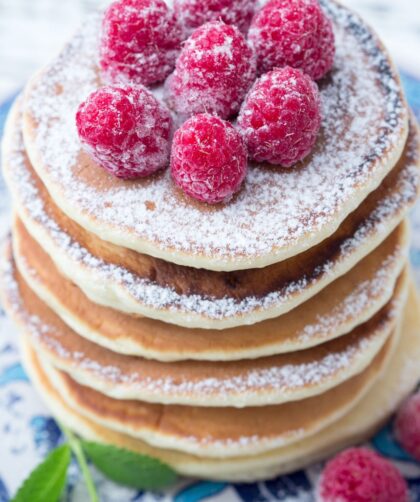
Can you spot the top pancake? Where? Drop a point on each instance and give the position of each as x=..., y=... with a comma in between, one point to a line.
x=279, y=212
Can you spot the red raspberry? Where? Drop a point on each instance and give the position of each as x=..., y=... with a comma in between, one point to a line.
x=126, y=130
x=407, y=426
x=295, y=33
x=140, y=41
x=361, y=475
x=213, y=73
x=281, y=117
x=194, y=13
x=208, y=159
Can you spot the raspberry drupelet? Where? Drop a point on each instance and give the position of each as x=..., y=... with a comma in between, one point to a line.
x=361, y=475
x=213, y=73
x=194, y=13
x=208, y=159
x=296, y=33
x=280, y=118
x=140, y=41
x=126, y=130
x=407, y=426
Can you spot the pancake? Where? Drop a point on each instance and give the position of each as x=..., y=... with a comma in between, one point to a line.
x=217, y=432
x=335, y=311
x=254, y=382
x=278, y=214
x=199, y=298
x=400, y=378
x=222, y=431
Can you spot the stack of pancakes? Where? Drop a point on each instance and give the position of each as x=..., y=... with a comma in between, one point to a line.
x=233, y=342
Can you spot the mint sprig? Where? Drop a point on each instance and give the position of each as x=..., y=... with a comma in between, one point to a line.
x=128, y=468
x=77, y=450
x=47, y=481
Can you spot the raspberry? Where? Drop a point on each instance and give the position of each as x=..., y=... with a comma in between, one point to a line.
x=280, y=117
x=361, y=475
x=208, y=159
x=194, y=13
x=295, y=33
x=214, y=71
x=140, y=41
x=407, y=426
x=126, y=130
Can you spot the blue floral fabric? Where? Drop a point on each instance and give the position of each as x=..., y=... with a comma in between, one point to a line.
x=27, y=431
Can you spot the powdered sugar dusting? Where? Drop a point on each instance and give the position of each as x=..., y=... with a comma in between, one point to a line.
x=285, y=379
x=355, y=303
x=364, y=118
x=279, y=377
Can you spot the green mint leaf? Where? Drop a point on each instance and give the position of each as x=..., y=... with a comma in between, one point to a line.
x=46, y=482
x=128, y=468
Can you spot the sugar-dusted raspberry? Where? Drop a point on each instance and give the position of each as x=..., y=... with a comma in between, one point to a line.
x=140, y=41
x=208, y=159
x=214, y=71
x=407, y=426
x=126, y=130
x=361, y=475
x=280, y=118
x=194, y=13
x=295, y=33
